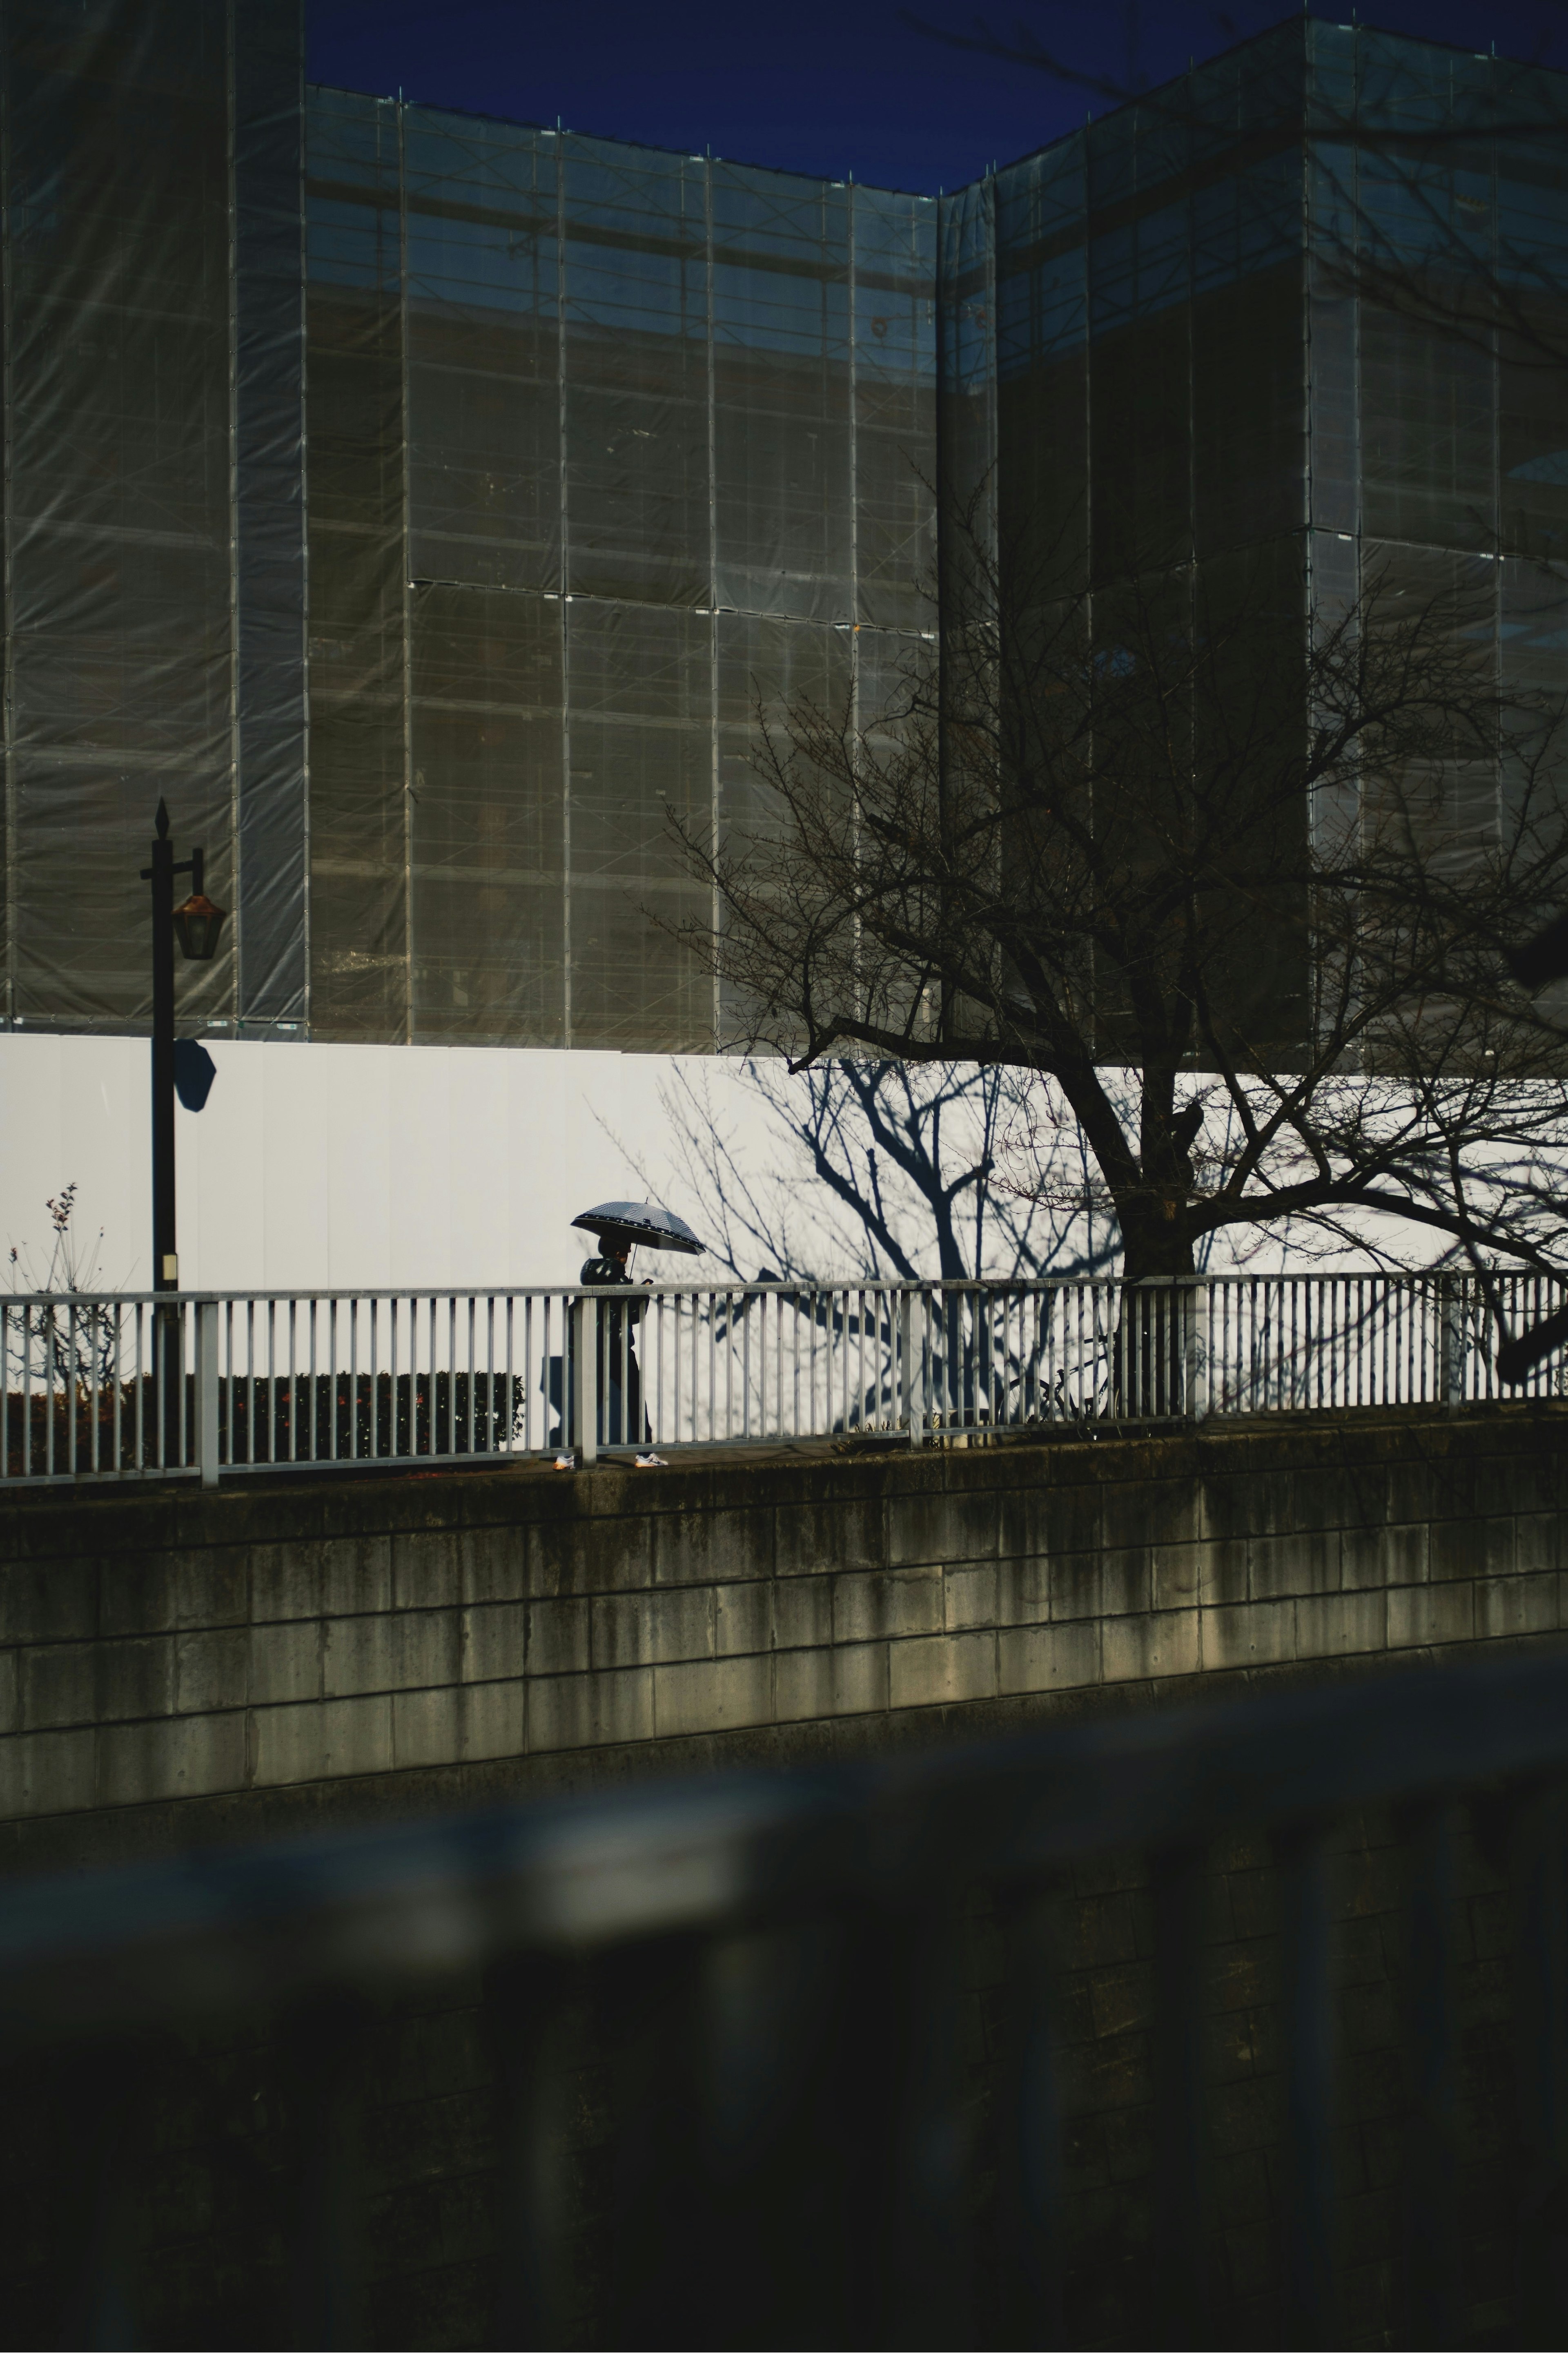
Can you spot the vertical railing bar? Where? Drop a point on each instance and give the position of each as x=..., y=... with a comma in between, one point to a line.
x=32, y=1450
x=511, y=1371
x=95, y=1391
x=712, y=1367
x=119, y=1440
x=796, y=1430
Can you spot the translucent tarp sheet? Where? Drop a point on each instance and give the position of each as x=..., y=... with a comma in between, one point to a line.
x=153, y=556
x=608, y=446
x=652, y=438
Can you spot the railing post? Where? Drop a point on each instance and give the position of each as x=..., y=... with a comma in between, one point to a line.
x=1194, y=1369
x=585, y=1379
x=1451, y=1341
x=206, y=1391
x=911, y=1343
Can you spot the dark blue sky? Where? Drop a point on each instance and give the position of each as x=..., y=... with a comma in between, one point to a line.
x=827, y=85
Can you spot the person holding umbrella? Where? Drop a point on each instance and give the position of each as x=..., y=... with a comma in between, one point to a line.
x=619, y=1227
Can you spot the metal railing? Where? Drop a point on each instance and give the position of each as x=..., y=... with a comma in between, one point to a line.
x=128, y=1384
x=767, y=1982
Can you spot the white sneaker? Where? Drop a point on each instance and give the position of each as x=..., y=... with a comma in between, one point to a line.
x=652, y=1463
x=566, y=1463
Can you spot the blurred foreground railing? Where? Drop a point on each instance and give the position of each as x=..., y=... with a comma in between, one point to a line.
x=769, y=1974
x=133, y=1385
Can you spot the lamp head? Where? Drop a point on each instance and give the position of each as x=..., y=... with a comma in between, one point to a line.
x=197, y=927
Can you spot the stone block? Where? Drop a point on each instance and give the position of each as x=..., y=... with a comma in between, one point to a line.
x=346, y=1575
x=572, y=1549
x=1515, y=1605
x=1022, y=1591
x=49, y=1602
x=426, y=1727
x=403, y=1650
x=942, y=1669
x=494, y=1642
x=1256, y=1634
x=211, y=1587
x=1070, y=1517
x=184, y=1757
x=587, y=1711
x=713, y=1696
x=1537, y=1542
x=743, y=1619
x=941, y=1528
x=48, y=1772
x=1249, y=1500
x=1133, y=1650
x=1306, y=1561
x=1149, y=1512
x=871, y=1606
x=728, y=1546
x=1048, y=1658
x=1430, y=1613
x=1469, y=1548
x=95, y=1682
x=1126, y=1581
x=1073, y=1583
x=212, y=1670
x=970, y=1595
x=638, y=1630
x=494, y=1566
x=285, y=1662
x=494, y=1719
x=1338, y=1496
x=803, y=1611
x=1175, y=1576
x=1224, y=1571
x=322, y=1742
x=9, y=1694
x=1334, y=1625
x=1395, y=1555
x=849, y=1680
x=848, y=1534
x=558, y=1637
x=137, y=1595
x=1436, y=1490
x=426, y=1569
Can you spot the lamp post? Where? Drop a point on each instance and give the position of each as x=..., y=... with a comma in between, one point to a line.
x=196, y=925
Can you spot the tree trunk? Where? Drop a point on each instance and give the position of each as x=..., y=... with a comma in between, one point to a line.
x=1152, y=1345
x=1155, y=1238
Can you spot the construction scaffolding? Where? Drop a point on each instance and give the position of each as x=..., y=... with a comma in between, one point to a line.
x=426, y=505
x=606, y=445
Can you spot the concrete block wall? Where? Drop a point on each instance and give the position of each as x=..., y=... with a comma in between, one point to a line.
x=177, y=1666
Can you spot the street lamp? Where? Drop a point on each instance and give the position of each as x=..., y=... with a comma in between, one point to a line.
x=195, y=924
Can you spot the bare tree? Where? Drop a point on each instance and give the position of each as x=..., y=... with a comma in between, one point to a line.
x=1162, y=824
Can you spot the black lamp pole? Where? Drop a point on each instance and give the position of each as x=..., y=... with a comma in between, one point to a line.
x=196, y=924
x=161, y=874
